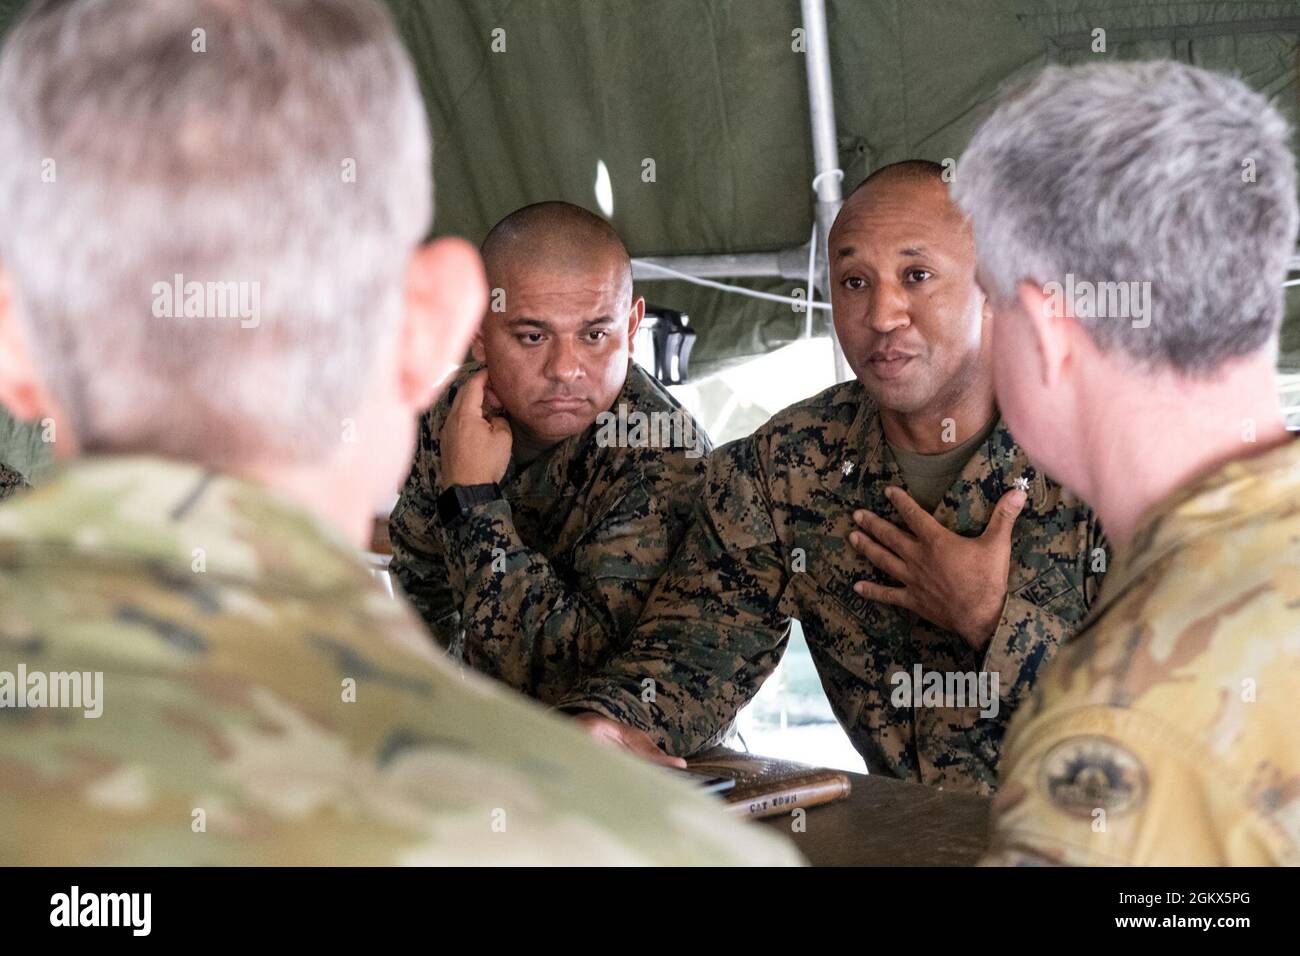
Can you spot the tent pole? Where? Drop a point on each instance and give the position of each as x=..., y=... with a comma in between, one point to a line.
x=826, y=158
x=827, y=184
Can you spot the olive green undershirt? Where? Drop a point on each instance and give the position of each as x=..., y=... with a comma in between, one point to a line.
x=927, y=477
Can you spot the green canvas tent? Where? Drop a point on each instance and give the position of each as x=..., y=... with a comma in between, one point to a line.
x=689, y=121
x=527, y=100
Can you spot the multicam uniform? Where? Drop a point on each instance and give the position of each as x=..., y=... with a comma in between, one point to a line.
x=263, y=702
x=770, y=543
x=536, y=589
x=1165, y=731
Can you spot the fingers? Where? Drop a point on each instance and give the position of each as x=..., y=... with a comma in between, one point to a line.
x=899, y=597
x=914, y=516
x=892, y=537
x=630, y=738
x=641, y=745
x=882, y=558
x=470, y=394
x=1004, y=515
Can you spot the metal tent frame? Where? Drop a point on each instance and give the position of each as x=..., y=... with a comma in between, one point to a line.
x=827, y=183
x=793, y=263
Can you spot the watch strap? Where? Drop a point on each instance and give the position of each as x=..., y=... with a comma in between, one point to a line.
x=458, y=500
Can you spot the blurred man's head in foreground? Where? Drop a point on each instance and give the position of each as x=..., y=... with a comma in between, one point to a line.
x=1133, y=223
x=210, y=225
x=561, y=316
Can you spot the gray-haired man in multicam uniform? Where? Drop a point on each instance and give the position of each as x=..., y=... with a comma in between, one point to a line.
x=195, y=665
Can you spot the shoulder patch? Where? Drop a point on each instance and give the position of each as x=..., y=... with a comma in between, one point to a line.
x=1083, y=774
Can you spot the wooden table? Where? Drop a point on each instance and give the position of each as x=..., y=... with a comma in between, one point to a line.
x=890, y=822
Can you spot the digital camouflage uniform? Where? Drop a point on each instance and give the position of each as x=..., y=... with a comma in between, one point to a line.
x=11, y=481
x=770, y=543
x=1165, y=732
x=227, y=624
x=537, y=589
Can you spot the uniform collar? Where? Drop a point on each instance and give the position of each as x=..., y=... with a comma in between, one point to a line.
x=1204, y=506
x=160, y=512
x=861, y=465
x=857, y=458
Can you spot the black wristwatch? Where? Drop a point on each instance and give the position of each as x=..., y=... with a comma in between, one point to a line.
x=456, y=501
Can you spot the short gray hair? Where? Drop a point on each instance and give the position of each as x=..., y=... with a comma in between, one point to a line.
x=1141, y=172
x=282, y=146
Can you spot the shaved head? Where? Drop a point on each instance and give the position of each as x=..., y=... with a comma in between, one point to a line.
x=907, y=171
x=911, y=178
x=915, y=185
x=558, y=335
x=556, y=237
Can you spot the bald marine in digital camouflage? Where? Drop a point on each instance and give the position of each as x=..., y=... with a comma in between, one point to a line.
x=1164, y=732
x=933, y=569
x=555, y=480
x=195, y=665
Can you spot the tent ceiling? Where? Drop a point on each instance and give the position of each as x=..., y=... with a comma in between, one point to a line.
x=715, y=95
x=712, y=92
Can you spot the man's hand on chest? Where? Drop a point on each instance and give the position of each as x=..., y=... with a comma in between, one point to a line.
x=955, y=582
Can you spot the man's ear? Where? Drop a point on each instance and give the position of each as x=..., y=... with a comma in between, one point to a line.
x=21, y=390
x=634, y=320
x=446, y=294
x=1049, y=325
